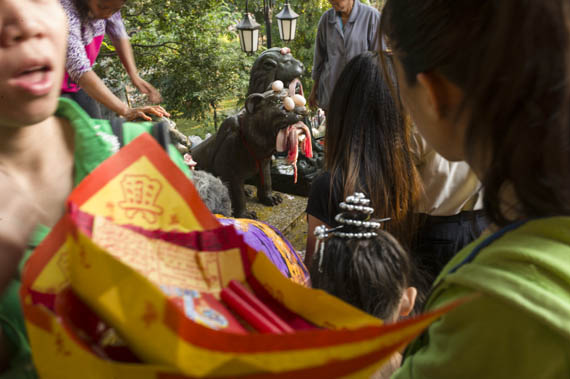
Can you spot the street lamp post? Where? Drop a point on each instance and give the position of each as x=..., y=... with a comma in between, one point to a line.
x=267, y=12
x=248, y=28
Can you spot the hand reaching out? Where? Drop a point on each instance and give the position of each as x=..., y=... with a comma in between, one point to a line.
x=141, y=112
x=154, y=97
x=147, y=88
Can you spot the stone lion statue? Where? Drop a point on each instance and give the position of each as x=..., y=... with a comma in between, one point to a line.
x=245, y=142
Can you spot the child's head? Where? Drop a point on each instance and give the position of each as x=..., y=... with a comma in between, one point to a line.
x=489, y=82
x=364, y=266
x=367, y=142
x=32, y=53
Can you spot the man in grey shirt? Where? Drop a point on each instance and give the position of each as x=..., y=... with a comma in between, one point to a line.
x=346, y=30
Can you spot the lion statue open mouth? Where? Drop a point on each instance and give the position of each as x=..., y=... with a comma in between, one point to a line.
x=276, y=64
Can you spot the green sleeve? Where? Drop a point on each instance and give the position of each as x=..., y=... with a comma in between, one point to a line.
x=179, y=161
x=487, y=338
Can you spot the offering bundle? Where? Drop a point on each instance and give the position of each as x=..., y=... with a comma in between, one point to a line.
x=139, y=280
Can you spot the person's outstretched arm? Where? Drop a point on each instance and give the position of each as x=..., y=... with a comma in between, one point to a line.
x=125, y=52
x=95, y=88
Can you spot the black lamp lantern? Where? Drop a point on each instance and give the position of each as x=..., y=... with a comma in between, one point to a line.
x=248, y=30
x=287, y=20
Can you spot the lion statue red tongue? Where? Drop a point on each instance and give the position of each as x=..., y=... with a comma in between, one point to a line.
x=288, y=140
x=293, y=87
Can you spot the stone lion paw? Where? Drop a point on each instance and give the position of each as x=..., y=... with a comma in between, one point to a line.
x=250, y=214
x=248, y=192
x=245, y=214
x=272, y=199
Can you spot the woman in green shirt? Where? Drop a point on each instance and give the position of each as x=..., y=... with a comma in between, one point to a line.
x=489, y=82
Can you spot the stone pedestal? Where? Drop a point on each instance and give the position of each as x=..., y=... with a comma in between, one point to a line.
x=289, y=216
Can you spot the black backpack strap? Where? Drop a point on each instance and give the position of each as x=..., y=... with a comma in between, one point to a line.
x=159, y=131
x=117, y=128
x=161, y=134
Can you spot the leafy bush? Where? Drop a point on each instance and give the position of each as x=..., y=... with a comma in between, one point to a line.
x=190, y=51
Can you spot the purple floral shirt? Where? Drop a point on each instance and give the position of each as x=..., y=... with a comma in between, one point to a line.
x=84, y=42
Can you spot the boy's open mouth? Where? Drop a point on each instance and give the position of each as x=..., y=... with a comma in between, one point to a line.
x=33, y=74
x=35, y=79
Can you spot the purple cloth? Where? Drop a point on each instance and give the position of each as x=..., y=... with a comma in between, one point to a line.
x=267, y=239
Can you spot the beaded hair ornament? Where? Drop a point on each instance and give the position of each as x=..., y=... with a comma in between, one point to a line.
x=355, y=223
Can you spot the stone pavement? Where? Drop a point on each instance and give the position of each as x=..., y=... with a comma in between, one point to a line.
x=289, y=216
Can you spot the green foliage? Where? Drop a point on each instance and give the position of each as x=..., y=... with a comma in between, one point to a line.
x=302, y=47
x=187, y=50
x=190, y=50
x=208, y=124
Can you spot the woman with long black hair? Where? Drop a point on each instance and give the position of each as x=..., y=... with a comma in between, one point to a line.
x=367, y=149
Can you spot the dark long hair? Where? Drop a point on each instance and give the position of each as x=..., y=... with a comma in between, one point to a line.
x=83, y=8
x=367, y=145
x=511, y=58
x=370, y=274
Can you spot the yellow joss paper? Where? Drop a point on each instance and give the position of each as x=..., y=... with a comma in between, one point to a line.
x=141, y=250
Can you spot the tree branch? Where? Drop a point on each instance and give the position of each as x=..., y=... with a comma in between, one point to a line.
x=164, y=44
